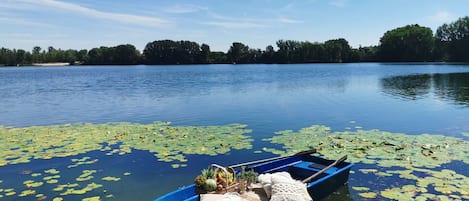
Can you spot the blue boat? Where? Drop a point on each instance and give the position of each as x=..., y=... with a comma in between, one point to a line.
x=322, y=176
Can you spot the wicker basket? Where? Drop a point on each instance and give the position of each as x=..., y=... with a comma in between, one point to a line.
x=230, y=184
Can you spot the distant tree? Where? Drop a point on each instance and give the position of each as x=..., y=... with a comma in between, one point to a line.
x=173, y=52
x=70, y=56
x=312, y=52
x=82, y=56
x=20, y=56
x=239, y=53
x=37, y=56
x=288, y=51
x=453, y=40
x=408, y=43
x=218, y=58
x=268, y=55
x=125, y=55
x=369, y=54
x=337, y=50
x=96, y=56
x=254, y=56
x=7, y=57
x=204, y=54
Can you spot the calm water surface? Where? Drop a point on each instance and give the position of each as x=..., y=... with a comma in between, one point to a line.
x=407, y=98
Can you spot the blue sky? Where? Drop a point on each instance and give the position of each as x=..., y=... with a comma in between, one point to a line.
x=84, y=24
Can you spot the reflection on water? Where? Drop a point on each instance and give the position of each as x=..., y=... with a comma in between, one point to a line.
x=450, y=87
x=453, y=87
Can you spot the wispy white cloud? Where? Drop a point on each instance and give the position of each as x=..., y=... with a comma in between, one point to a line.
x=118, y=17
x=441, y=17
x=184, y=8
x=239, y=23
x=288, y=21
x=234, y=25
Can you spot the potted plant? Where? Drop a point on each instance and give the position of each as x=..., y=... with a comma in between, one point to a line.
x=245, y=178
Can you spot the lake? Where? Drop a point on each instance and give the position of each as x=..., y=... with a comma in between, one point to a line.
x=399, y=98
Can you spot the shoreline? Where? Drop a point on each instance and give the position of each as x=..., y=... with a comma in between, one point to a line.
x=51, y=64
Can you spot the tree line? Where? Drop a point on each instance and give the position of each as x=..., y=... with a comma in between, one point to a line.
x=411, y=43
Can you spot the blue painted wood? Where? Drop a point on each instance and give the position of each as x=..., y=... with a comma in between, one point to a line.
x=297, y=166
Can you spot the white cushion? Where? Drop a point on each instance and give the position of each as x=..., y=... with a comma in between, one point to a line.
x=280, y=186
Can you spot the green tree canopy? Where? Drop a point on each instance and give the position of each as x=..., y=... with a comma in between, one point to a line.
x=238, y=53
x=118, y=55
x=408, y=43
x=337, y=50
x=453, y=39
x=175, y=52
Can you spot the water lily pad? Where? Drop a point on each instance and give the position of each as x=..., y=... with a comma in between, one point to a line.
x=28, y=182
x=95, y=198
x=8, y=190
x=366, y=171
x=10, y=193
x=51, y=177
x=86, y=178
x=41, y=197
x=52, y=181
x=369, y=195
x=27, y=192
x=93, y=186
x=169, y=143
x=357, y=188
x=36, y=174
x=33, y=184
x=411, y=158
x=111, y=178
x=52, y=171
x=83, y=161
x=58, y=188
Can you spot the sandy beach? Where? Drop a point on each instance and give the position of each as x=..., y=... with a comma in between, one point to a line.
x=52, y=64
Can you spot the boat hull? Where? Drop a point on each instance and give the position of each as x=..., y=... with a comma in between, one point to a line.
x=300, y=167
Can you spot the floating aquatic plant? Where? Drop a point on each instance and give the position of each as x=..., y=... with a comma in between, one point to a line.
x=83, y=161
x=375, y=147
x=95, y=198
x=369, y=195
x=169, y=143
x=52, y=171
x=27, y=192
x=412, y=156
x=108, y=178
x=358, y=188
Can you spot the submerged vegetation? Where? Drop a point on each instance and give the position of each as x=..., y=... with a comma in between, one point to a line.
x=414, y=158
x=411, y=43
